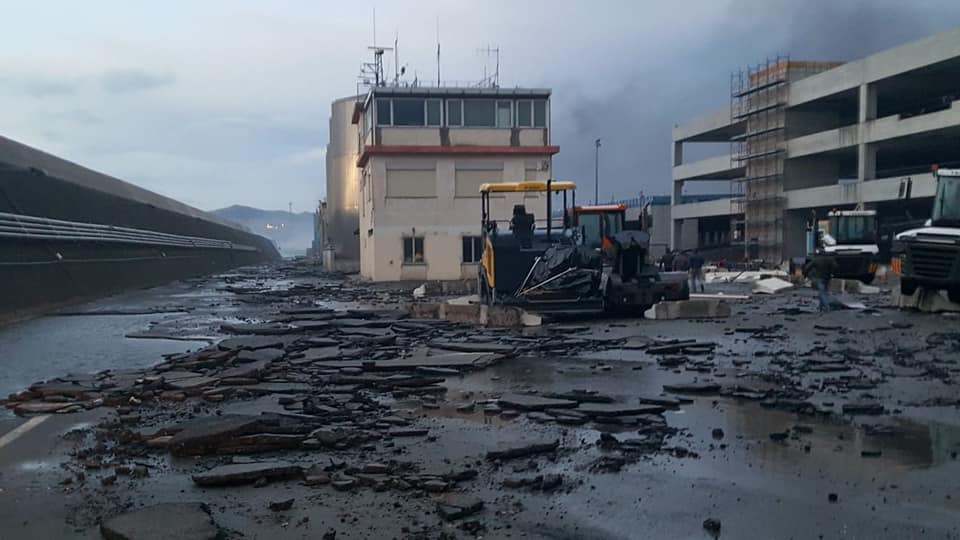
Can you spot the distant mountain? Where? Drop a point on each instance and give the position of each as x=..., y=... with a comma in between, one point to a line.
x=292, y=233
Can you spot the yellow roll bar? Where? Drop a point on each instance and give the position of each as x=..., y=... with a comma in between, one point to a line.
x=525, y=187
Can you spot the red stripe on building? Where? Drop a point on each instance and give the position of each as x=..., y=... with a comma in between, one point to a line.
x=369, y=151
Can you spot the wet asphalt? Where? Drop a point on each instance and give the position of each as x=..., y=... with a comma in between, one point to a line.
x=817, y=483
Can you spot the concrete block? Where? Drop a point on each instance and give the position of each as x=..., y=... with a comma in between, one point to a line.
x=924, y=300
x=688, y=309
x=771, y=285
x=476, y=314
x=718, y=296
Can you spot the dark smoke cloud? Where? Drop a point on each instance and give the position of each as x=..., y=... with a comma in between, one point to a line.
x=635, y=117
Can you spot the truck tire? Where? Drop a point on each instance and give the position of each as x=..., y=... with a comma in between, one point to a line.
x=953, y=294
x=908, y=286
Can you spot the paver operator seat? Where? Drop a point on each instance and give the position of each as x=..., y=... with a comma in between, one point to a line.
x=522, y=225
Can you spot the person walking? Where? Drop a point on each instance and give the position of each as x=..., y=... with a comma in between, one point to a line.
x=820, y=270
x=681, y=263
x=696, y=270
x=666, y=261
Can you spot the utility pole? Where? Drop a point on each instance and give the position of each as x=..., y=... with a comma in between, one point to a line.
x=596, y=171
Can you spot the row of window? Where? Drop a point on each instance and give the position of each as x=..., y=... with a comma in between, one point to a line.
x=498, y=113
x=413, y=249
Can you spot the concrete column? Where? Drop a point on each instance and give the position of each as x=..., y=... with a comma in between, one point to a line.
x=676, y=228
x=868, y=102
x=866, y=153
x=866, y=162
x=677, y=153
x=676, y=233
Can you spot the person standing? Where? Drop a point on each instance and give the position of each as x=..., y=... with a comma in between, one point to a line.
x=696, y=270
x=820, y=270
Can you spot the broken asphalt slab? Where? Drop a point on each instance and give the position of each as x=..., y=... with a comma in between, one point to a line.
x=165, y=521
x=455, y=506
x=523, y=451
x=247, y=473
x=534, y=403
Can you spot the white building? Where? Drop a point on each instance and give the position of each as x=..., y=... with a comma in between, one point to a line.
x=422, y=155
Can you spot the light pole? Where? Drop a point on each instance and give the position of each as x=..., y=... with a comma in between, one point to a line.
x=596, y=171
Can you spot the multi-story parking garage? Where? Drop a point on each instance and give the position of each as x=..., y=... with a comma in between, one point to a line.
x=802, y=138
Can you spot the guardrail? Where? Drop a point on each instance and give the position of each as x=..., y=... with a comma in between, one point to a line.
x=37, y=228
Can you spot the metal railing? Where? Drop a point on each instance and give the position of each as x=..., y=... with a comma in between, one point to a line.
x=38, y=228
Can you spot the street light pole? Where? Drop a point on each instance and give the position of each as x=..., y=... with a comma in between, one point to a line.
x=596, y=171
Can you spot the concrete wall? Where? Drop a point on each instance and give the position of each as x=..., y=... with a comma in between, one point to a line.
x=39, y=273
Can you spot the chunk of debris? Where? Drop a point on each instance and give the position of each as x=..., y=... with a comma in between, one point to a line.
x=280, y=506
x=455, y=506
x=246, y=473
x=535, y=403
x=692, y=388
x=865, y=408
x=771, y=286
x=523, y=451
x=166, y=520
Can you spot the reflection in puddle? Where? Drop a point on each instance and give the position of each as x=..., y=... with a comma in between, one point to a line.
x=37, y=466
x=901, y=444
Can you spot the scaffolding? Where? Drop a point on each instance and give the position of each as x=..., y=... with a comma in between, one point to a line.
x=758, y=99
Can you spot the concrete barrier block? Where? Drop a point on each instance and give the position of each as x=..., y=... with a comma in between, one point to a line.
x=689, y=309
x=771, y=286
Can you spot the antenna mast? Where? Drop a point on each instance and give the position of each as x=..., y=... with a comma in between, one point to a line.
x=438, y=51
x=372, y=72
x=493, y=80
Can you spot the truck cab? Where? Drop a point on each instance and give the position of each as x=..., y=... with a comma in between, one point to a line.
x=850, y=236
x=930, y=255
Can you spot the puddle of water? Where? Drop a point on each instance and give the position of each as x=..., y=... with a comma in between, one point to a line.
x=833, y=444
x=448, y=410
x=52, y=346
x=37, y=466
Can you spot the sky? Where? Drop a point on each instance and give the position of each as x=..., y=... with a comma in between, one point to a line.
x=226, y=102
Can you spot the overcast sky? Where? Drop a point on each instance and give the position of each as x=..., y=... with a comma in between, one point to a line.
x=226, y=102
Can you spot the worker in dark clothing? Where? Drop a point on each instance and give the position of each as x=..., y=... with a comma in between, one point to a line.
x=681, y=263
x=696, y=270
x=820, y=270
x=666, y=261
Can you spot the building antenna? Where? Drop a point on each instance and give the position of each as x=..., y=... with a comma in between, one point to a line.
x=493, y=80
x=438, y=50
x=374, y=70
x=396, y=59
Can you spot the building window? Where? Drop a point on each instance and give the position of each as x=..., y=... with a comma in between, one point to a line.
x=413, y=250
x=433, y=112
x=408, y=112
x=524, y=113
x=472, y=249
x=454, y=112
x=383, y=112
x=504, y=114
x=540, y=113
x=479, y=113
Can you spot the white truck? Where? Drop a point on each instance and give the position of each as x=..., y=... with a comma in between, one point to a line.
x=930, y=255
x=852, y=241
